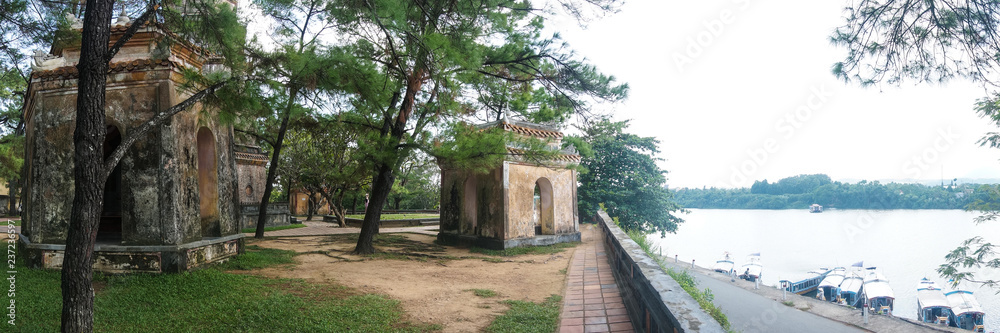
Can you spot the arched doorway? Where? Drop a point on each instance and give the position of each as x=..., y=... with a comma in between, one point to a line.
x=109, y=228
x=208, y=184
x=469, y=203
x=544, y=215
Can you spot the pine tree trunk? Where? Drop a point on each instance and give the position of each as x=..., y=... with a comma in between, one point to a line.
x=381, y=184
x=88, y=170
x=272, y=170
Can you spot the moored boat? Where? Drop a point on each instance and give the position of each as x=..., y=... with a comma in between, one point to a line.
x=815, y=208
x=806, y=283
x=966, y=312
x=850, y=289
x=879, y=293
x=932, y=305
x=829, y=288
x=725, y=266
x=752, y=269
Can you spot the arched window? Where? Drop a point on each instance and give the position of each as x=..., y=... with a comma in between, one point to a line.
x=110, y=227
x=208, y=184
x=544, y=215
x=469, y=203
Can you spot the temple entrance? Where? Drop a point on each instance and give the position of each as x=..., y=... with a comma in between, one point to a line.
x=544, y=214
x=109, y=229
x=469, y=209
x=208, y=184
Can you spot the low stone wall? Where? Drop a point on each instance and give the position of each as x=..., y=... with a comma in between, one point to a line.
x=277, y=214
x=655, y=302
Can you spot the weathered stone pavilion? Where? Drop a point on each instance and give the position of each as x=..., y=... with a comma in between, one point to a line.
x=172, y=203
x=516, y=204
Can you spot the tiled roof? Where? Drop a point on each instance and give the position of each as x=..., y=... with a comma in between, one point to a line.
x=531, y=131
x=250, y=158
x=70, y=72
x=564, y=158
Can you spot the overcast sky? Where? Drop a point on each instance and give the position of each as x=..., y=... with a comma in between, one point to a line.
x=738, y=91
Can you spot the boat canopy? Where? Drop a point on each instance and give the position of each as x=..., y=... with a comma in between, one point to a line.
x=962, y=302
x=851, y=284
x=929, y=295
x=834, y=278
x=876, y=286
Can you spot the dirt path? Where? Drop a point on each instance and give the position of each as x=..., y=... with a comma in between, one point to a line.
x=432, y=282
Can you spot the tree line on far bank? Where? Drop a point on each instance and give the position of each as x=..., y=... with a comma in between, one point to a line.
x=800, y=191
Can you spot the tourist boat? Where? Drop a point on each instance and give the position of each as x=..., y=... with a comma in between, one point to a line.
x=805, y=284
x=829, y=288
x=725, y=265
x=932, y=305
x=850, y=289
x=752, y=269
x=879, y=293
x=815, y=208
x=966, y=313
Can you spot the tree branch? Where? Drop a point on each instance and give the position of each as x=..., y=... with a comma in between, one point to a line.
x=132, y=29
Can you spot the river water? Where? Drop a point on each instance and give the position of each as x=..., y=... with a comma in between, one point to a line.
x=905, y=245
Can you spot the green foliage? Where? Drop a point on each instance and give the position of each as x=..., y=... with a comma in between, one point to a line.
x=526, y=316
x=623, y=175
x=210, y=300
x=801, y=191
x=257, y=257
x=274, y=228
x=484, y=292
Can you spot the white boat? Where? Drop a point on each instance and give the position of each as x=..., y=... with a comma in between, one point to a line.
x=752, y=269
x=725, y=265
x=829, y=288
x=850, y=289
x=932, y=305
x=877, y=290
x=966, y=313
x=815, y=208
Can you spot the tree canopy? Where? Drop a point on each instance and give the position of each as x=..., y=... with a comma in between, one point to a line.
x=621, y=174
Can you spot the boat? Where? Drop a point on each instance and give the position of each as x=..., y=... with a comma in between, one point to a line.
x=752, y=269
x=805, y=284
x=815, y=208
x=878, y=292
x=932, y=305
x=850, y=289
x=829, y=288
x=725, y=266
x=966, y=313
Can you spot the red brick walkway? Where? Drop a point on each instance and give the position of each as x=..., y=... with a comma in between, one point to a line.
x=592, y=303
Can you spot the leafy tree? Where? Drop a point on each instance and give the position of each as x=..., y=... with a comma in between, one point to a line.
x=91, y=169
x=417, y=184
x=433, y=63
x=623, y=176
x=928, y=41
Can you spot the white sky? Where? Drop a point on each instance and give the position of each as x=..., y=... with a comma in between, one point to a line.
x=752, y=65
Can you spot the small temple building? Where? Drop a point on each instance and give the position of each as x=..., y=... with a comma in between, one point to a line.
x=519, y=203
x=173, y=202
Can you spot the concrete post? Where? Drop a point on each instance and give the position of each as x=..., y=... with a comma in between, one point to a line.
x=692, y=263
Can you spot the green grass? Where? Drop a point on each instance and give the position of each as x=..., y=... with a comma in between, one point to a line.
x=483, y=292
x=256, y=257
x=547, y=249
x=528, y=316
x=17, y=223
x=275, y=228
x=684, y=278
x=212, y=300
x=390, y=217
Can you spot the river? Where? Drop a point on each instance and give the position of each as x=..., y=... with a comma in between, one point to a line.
x=905, y=245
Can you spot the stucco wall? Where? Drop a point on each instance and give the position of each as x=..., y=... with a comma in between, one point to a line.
x=483, y=217
x=521, y=180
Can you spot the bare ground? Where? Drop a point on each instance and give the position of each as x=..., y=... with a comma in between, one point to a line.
x=433, y=283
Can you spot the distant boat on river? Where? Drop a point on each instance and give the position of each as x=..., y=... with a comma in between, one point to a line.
x=815, y=208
